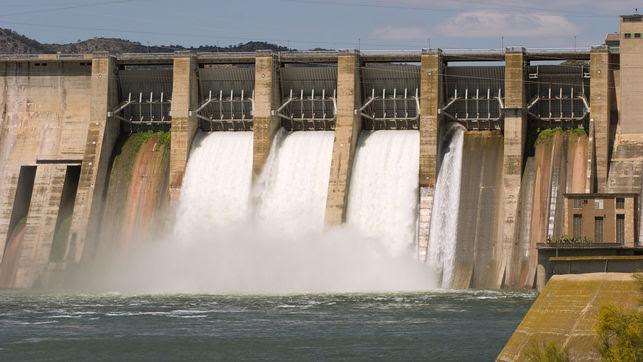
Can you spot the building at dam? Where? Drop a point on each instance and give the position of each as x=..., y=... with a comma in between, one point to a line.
x=482, y=162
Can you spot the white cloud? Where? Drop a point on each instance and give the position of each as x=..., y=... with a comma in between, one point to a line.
x=485, y=24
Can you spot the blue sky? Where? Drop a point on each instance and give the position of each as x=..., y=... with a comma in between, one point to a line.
x=337, y=24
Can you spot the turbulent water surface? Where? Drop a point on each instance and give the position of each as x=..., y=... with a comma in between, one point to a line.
x=469, y=325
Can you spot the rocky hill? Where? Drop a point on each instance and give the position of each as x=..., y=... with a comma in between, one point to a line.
x=14, y=43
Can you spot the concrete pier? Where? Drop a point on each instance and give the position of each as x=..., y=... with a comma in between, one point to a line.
x=600, y=104
x=34, y=251
x=347, y=130
x=431, y=94
x=515, y=127
x=184, y=125
x=100, y=140
x=267, y=99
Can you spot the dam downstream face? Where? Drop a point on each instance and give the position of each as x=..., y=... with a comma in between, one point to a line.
x=382, y=202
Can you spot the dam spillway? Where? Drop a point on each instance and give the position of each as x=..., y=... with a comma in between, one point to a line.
x=443, y=238
x=217, y=185
x=291, y=191
x=301, y=161
x=383, y=197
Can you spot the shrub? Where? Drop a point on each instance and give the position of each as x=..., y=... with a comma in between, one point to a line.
x=620, y=335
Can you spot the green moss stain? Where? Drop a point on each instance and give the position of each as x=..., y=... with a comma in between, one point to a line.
x=547, y=134
x=120, y=178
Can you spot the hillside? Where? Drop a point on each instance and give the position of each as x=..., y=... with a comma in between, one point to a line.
x=14, y=43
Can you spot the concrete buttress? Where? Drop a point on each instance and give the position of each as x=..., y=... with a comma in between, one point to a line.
x=431, y=82
x=184, y=124
x=266, y=100
x=515, y=127
x=347, y=130
x=600, y=114
x=100, y=140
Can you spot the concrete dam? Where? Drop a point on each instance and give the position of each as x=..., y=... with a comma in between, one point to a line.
x=300, y=171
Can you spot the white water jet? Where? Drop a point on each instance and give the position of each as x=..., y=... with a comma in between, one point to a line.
x=383, y=195
x=446, y=203
x=292, y=190
x=217, y=183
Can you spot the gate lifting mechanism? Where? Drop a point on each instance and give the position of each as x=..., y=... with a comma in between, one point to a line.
x=309, y=113
x=226, y=114
x=475, y=118
x=144, y=114
x=564, y=103
x=391, y=111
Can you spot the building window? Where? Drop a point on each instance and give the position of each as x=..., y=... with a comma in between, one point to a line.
x=620, y=203
x=637, y=35
x=598, y=204
x=578, y=203
x=632, y=19
x=628, y=36
x=620, y=229
x=598, y=229
x=578, y=226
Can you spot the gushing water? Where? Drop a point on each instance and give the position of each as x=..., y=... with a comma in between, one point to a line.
x=444, y=221
x=292, y=190
x=383, y=194
x=277, y=244
x=217, y=183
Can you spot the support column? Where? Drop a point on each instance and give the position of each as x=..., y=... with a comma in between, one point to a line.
x=35, y=248
x=347, y=130
x=184, y=125
x=266, y=99
x=515, y=127
x=600, y=114
x=101, y=138
x=431, y=93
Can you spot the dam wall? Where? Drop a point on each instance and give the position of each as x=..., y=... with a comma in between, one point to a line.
x=479, y=253
x=74, y=113
x=42, y=133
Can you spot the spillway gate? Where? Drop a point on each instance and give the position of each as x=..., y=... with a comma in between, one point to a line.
x=226, y=97
x=145, y=98
x=390, y=96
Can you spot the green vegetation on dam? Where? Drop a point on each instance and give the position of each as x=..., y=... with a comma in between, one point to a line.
x=137, y=187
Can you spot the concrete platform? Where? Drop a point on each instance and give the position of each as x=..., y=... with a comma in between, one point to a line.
x=566, y=311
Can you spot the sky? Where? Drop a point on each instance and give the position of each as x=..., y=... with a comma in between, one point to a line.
x=331, y=24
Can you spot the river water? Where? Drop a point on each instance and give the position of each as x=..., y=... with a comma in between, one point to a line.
x=440, y=325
